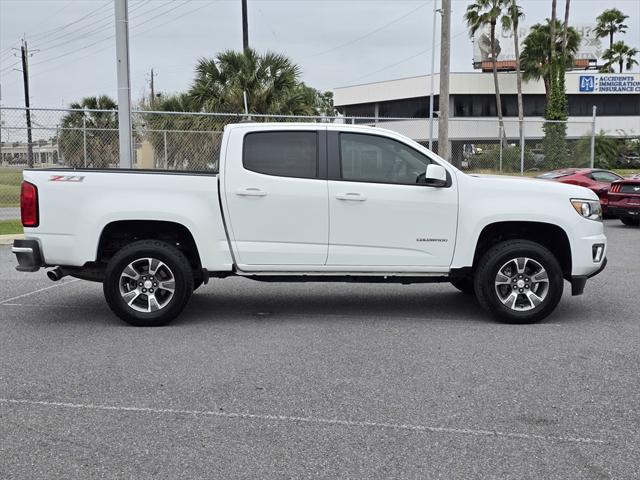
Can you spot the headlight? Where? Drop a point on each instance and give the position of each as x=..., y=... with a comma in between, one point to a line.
x=590, y=209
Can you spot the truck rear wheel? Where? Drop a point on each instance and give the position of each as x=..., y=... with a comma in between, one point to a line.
x=148, y=283
x=519, y=281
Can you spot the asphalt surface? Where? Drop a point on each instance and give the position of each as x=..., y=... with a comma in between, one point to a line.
x=321, y=381
x=9, y=213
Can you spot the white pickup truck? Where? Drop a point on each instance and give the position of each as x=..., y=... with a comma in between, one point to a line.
x=311, y=202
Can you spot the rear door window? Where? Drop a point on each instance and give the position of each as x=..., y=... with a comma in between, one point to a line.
x=283, y=154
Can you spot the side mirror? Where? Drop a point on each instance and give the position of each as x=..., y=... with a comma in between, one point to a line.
x=436, y=176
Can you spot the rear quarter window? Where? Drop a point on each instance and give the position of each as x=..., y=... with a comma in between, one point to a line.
x=282, y=154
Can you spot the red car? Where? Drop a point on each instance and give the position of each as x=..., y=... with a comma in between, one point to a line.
x=624, y=200
x=595, y=179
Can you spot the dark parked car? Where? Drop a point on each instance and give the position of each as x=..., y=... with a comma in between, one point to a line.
x=624, y=200
x=595, y=179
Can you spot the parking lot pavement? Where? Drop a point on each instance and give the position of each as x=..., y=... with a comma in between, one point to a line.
x=321, y=380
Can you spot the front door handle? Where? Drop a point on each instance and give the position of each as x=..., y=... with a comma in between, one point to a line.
x=351, y=196
x=250, y=192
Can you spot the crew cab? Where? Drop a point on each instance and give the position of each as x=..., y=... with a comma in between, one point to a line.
x=311, y=202
x=624, y=200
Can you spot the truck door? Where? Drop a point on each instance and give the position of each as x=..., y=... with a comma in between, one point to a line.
x=275, y=196
x=381, y=215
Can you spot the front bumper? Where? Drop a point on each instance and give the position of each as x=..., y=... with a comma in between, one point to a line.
x=624, y=211
x=578, y=282
x=28, y=254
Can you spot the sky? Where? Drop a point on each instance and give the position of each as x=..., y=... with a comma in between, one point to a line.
x=334, y=42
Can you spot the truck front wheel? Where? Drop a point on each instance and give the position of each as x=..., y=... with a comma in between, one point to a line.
x=519, y=281
x=148, y=283
x=464, y=284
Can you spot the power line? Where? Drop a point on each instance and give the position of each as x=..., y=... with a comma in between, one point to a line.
x=104, y=21
x=89, y=54
x=10, y=67
x=105, y=26
x=67, y=25
x=421, y=52
x=54, y=31
x=373, y=32
x=84, y=47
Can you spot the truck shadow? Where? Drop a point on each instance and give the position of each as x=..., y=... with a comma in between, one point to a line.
x=277, y=302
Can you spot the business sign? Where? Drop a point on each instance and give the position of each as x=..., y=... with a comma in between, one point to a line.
x=609, y=83
x=591, y=47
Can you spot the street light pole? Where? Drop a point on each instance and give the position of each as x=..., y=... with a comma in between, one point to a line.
x=124, y=83
x=433, y=63
x=245, y=26
x=445, y=51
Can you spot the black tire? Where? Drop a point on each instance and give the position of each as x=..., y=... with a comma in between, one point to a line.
x=464, y=284
x=498, y=256
x=630, y=222
x=178, y=266
x=197, y=283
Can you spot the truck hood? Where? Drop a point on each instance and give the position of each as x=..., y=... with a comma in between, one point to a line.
x=529, y=186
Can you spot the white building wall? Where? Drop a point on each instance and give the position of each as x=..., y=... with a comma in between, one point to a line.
x=478, y=83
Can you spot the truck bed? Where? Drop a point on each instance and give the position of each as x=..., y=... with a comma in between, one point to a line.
x=76, y=206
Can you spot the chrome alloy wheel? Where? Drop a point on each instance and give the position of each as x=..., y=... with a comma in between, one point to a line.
x=147, y=285
x=522, y=284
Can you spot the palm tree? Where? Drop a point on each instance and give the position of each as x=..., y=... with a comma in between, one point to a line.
x=536, y=59
x=478, y=16
x=565, y=29
x=511, y=21
x=89, y=135
x=622, y=54
x=610, y=22
x=271, y=82
x=183, y=141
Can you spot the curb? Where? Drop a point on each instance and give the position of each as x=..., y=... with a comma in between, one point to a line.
x=8, y=239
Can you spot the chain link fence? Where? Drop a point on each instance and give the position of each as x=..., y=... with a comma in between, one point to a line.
x=191, y=141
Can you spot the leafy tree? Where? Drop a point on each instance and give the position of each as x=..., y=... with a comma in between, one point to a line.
x=609, y=22
x=606, y=150
x=536, y=59
x=100, y=127
x=621, y=54
x=489, y=158
x=554, y=143
x=271, y=82
x=478, y=16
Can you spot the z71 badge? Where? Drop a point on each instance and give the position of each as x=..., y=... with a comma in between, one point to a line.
x=66, y=178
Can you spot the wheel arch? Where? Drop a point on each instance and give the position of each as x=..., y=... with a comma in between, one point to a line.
x=117, y=234
x=549, y=235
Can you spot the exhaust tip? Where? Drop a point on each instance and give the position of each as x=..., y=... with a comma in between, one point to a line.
x=55, y=274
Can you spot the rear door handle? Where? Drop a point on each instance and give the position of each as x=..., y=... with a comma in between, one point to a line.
x=250, y=192
x=351, y=196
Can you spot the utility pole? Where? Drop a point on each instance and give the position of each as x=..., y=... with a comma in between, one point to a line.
x=24, y=50
x=433, y=62
x=124, y=83
x=245, y=26
x=153, y=91
x=445, y=52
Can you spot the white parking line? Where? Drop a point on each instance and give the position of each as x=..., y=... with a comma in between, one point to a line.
x=305, y=420
x=46, y=305
x=7, y=300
